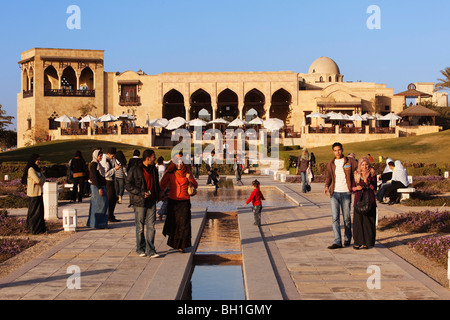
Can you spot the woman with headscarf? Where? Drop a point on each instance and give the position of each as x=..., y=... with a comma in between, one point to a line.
x=178, y=221
x=399, y=180
x=302, y=166
x=364, y=225
x=98, y=209
x=34, y=180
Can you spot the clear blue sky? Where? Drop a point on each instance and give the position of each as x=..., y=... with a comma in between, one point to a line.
x=235, y=35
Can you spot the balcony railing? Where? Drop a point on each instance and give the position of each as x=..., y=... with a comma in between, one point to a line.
x=69, y=93
x=130, y=101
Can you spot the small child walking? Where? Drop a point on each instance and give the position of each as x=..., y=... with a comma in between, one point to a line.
x=256, y=198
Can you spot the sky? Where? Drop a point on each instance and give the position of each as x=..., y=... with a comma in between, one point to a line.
x=410, y=45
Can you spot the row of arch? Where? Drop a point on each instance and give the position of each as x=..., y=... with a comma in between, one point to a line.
x=228, y=106
x=68, y=79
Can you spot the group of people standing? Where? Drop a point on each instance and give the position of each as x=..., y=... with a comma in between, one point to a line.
x=346, y=175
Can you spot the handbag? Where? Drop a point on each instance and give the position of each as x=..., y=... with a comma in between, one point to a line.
x=192, y=191
x=363, y=206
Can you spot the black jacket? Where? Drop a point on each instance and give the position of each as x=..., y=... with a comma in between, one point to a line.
x=135, y=185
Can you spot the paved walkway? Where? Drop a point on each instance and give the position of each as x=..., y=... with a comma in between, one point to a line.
x=292, y=256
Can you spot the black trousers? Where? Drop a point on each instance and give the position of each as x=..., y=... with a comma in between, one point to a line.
x=78, y=183
x=112, y=198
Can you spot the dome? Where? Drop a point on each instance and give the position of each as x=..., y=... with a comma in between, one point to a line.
x=324, y=65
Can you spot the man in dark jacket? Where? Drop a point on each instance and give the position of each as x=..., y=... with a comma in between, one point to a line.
x=142, y=183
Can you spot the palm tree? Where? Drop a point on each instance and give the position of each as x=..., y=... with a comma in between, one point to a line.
x=444, y=84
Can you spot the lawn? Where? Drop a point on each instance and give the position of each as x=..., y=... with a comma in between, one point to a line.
x=60, y=152
x=430, y=148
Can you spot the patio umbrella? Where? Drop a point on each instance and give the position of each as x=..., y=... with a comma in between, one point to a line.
x=125, y=116
x=219, y=121
x=390, y=116
x=257, y=120
x=64, y=119
x=175, y=123
x=273, y=124
x=367, y=116
x=74, y=120
x=88, y=118
x=197, y=123
x=107, y=118
x=317, y=115
x=337, y=116
x=158, y=123
x=356, y=117
x=237, y=123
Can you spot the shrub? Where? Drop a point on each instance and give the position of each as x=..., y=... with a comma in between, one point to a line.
x=11, y=226
x=435, y=248
x=11, y=247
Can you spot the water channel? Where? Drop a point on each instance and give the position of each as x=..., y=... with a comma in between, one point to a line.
x=217, y=268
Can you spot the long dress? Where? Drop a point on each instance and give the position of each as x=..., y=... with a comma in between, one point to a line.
x=364, y=226
x=98, y=209
x=35, y=222
x=177, y=226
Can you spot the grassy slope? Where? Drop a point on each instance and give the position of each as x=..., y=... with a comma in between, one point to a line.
x=431, y=148
x=62, y=151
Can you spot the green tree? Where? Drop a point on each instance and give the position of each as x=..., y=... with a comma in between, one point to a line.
x=444, y=83
x=4, y=119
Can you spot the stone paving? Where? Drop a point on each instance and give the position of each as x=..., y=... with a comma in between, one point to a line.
x=292, y=254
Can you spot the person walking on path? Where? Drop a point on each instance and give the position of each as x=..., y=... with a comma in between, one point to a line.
x=121, y=174
x=364, y=224
x=338, y=184
x=98, y=217
x=34, y=180
x=110, y=169
x=256, y=198
x=304, y=163
x=178, y=221
x=209, y=167
x=142, y=183
x=77, y=166
x=238, y=169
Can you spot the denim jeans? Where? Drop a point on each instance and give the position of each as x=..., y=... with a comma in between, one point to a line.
x=341, y=201
x=305, y=180
x=145, y=217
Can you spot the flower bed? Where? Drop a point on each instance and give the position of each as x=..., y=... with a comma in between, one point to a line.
x=425, y=221
x=435, y=248
x=11, y=247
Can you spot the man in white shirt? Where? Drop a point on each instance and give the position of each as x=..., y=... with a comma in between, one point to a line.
x=209, y=166
x=338, y=184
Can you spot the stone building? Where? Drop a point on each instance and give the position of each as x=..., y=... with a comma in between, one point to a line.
x=73, y=82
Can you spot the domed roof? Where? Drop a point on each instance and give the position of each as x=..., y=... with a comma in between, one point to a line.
x=324, y=65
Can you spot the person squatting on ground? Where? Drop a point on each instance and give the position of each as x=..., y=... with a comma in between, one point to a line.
x=256, y=198
x=34, y=179
x=142, y=183
x=338, y=184
x=364, y=224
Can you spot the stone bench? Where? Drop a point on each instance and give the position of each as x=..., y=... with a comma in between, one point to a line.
x=405, y=193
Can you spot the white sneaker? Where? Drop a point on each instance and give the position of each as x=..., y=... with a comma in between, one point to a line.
x=142, y=255
x=155, y=255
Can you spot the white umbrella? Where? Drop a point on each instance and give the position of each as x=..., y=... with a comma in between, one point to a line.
x=219, y=121
x=367, y=116
x=74, y=120
x=356, y=117
x=197, y=123
x=125, y=116
x=175, y=123
x=390, y=116
x=273, y=124
x=317, y=115
x=237, y=123
x=158, y=123
x=107, y=118
x=64, y=119
x=337, y=116
x=88, y=118
x=257, y=120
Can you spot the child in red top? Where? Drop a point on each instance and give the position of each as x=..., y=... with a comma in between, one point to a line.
x=256, y=197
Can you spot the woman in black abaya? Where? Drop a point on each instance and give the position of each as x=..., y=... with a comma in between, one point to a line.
x=34, y=179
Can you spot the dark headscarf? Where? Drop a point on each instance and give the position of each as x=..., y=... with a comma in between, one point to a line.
x=31, y=164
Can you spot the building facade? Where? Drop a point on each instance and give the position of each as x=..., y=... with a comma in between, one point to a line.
x=72, y=82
